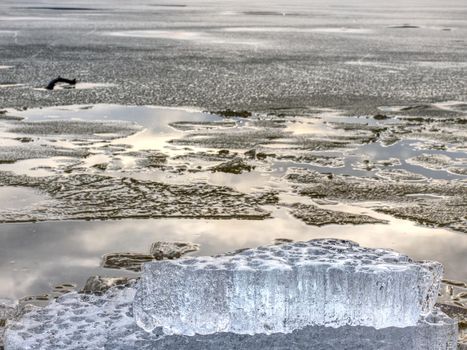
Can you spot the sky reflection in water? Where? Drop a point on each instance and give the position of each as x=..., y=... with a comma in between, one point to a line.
x=34, y=257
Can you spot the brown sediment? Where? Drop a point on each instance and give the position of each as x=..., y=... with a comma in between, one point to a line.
x=126, y=261
x=70, y=127
x=313, y=215
x=134, y=261
x=191, y=126
x=233, y=166
x=172, y=250
x=229, y=113
x=449, y=213
x=438, y=203
x=91, y=196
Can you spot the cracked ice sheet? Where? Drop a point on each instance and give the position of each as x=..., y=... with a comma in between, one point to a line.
x=435, y=203
x=104, y=197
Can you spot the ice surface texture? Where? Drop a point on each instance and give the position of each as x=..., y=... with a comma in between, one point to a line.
x=286, y=287
x=96, y=322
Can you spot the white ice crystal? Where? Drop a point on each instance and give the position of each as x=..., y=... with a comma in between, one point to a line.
x=306, y=274
x=286, y=287
x=105, y=322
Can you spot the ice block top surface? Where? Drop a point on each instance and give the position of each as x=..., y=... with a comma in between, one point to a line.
x=289, y=255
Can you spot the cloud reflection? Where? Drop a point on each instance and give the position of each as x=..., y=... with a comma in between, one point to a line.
x=35, y=257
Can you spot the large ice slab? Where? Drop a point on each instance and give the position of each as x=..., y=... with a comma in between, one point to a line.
x=286, y=287
x=97, y=322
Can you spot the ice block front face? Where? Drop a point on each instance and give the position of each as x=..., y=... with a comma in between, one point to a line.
x=286, y=287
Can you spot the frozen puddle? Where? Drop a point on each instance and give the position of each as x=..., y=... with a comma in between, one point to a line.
x=442, y=64
x=87, y=85
x=375, y=64
x=297, y=30
x=456, y=106
x=34, y=18
x=18, y=197
x=162, y=34
x=79, y=86
x=200, y=37
x=10, y=85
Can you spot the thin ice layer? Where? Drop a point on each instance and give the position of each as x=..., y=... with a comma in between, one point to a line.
x=91, y=322
x=286, y=287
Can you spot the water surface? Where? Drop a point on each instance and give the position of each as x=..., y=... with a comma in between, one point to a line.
x=34, y=257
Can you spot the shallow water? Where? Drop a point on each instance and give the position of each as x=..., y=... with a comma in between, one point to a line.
x=17, y=197
x=34, y=257
x=155, y=134
x=402, y=150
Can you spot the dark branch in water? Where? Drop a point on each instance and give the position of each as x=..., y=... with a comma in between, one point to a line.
x=60, y=80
